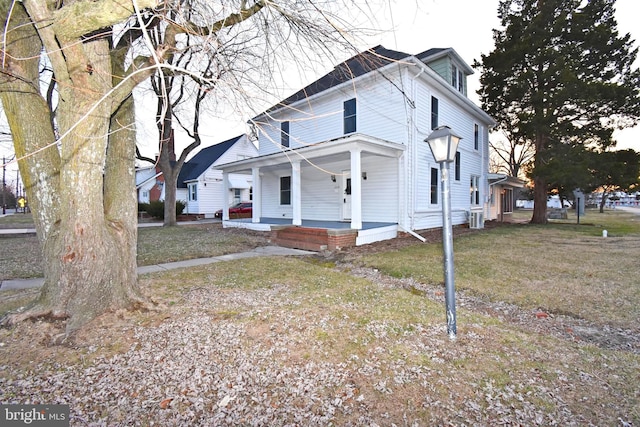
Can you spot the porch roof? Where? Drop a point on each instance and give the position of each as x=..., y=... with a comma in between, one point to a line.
x=505, y=180
x=344, y=144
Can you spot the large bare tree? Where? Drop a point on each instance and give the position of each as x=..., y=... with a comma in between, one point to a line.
x=76, y=152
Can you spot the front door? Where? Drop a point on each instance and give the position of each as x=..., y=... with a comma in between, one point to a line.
x=346, y=195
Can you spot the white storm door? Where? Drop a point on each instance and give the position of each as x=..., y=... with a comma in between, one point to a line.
x=346, y=195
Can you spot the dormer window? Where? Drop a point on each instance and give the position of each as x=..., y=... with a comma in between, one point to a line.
x=457, y=78
x=454, y=76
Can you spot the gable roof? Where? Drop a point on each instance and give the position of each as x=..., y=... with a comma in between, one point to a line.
x=356, y=66
x=199, y=163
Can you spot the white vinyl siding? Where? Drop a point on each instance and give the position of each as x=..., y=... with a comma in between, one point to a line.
x=396, y=189
x=380, y=109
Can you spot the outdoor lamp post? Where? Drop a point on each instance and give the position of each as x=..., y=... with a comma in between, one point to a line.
x=444, y=144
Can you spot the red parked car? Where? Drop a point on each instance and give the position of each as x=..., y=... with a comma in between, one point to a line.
x=240, y=210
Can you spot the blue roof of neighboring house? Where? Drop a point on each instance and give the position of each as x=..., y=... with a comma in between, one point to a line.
x=199, y=163
x=356, y=66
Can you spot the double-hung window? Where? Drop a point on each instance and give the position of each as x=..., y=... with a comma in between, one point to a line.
x=285, y=190
x=350, y=116
x=474, y=190
x=434, y=112
x=284, y=134
x=476, y=136
x=193, y=192
x=434, y=186
x=454, y=76
x=457, y=78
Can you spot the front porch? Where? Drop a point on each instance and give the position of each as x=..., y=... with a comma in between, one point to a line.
x=317, y=235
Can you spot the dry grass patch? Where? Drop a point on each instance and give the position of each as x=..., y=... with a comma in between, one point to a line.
x=556, y=268
x=22, y=258
x=282, y=341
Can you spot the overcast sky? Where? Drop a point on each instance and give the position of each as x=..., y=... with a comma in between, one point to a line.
x=466, y=25
x=412, y=26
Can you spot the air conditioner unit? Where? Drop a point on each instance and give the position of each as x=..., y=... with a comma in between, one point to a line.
x=476, y=220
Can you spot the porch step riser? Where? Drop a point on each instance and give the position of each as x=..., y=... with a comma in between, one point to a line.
x=312, y=239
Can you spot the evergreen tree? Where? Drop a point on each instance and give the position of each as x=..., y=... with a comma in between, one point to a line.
x=614, y=171
x=560, y=73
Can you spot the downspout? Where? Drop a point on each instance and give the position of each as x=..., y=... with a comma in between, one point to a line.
x=414, y=131
x=413, y=233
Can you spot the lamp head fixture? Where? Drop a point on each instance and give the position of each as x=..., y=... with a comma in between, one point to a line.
x=443, y=143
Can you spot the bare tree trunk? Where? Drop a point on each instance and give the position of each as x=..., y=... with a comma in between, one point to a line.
x=21, y=101
x=603, y=201
x=539, y=185
x=91, y=266
x=170, y=190
x=89, y=261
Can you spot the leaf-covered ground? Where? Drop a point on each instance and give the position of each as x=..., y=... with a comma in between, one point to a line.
x=343, y=339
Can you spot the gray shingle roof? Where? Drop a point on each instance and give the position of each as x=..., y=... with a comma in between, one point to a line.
x=353, y=67
x=199, y=163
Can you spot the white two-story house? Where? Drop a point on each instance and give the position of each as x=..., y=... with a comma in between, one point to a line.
x=348, y=154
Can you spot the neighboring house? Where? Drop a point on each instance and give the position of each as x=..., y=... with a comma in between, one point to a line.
x=348, y=150
x=501, y=196
x=149, y=184
x=200, y=184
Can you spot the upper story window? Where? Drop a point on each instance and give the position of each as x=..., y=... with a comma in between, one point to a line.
x=350, y=116
x=476, y=136
x=434, y=112
x=284, y=134
x=457, y=78
x=454, y=76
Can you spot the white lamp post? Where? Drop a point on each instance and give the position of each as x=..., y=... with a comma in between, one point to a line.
x=444, y=145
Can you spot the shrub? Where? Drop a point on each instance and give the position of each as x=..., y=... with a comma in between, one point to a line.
x=180, y=205
x=143, y=207
x=156, y=208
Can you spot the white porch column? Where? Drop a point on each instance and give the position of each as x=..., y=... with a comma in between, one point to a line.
x=356, y=189
x=257, y=195
x=225, y=196
x=296, y=193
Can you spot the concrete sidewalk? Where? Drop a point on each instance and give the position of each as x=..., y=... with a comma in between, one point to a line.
x=257, y=252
